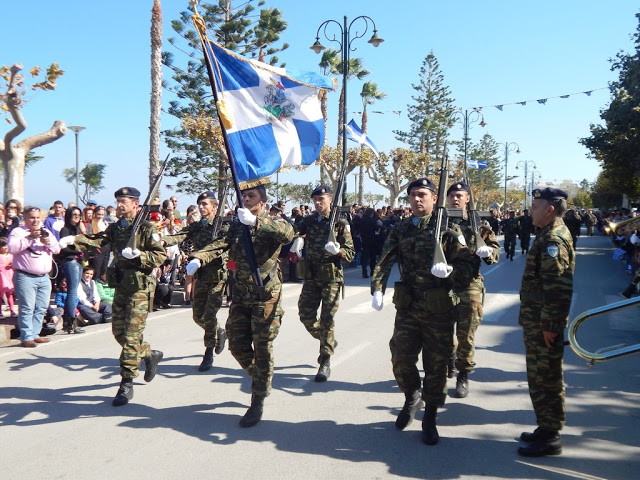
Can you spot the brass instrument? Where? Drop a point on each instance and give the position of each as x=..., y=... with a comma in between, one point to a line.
x=623, y=227
x=607, y=353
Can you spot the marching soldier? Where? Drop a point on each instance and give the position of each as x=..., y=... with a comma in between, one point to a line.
x=255, y=314
x=130, y=274
x=573, y=221
x=207, y=295
x=425, y=304
x=510, y=230
x=545, y=295
x=322, y=272
x=471, y=293
x=590, y=220
x=525, y=229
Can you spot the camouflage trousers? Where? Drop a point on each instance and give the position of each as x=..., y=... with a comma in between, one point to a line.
x=469, y=318
x=416, y=329
x=544, y=370
x=251, y=328
x=207, y=300
x=129, y=318
x=525, y=240
x=510, y=244
x=313, y=293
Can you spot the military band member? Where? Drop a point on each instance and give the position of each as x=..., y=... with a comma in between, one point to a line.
x=425, y=304
x=255, y=314
x=207, y=295
x=130, y=274
x=322, y=272
x=471, y=293
x=510, y=231
x=525, y=229
x=545, y=295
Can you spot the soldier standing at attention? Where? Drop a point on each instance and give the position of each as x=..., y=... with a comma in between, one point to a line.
x=471, y=294
x=134, y=284
x=545, y=295
x=510, y=230
x=322, y=272
x=207, y=295
x=255, y=314
x=425, y=304
x=525, y=229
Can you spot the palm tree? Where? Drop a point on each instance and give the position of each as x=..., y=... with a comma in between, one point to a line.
x=156, y=92
x=354, y=69
x=370, y=95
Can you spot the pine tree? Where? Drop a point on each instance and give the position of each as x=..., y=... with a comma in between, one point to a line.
x=487, y=150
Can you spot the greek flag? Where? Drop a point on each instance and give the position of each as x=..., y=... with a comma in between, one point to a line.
x=356, y=135
x=477, y=163
x=272, y=117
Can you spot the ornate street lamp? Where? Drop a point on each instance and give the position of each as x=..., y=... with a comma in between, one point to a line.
x=526, y=164
x=508, y=148
x=77, y=131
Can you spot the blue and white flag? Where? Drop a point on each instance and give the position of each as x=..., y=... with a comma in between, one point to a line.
x=272, y=119
x=356, y=135
x=477, y=163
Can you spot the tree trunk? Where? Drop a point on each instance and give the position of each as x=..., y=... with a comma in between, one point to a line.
x=365, y=120
x=156, y=94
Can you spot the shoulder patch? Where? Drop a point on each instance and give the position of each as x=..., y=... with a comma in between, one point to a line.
x=156, y=237
x=553, y=250
x=462, y=240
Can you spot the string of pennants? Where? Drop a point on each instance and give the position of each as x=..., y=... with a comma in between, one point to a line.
x=397, y=112
x=544, y=100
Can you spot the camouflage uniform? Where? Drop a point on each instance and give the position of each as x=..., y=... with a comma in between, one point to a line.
x=134, y=284
x=525, y=229
x=323, y=278
x=207, y=294
x=510, y=231
x=590, y=220
x=425, y=304
x=547, y=287
x=471, y=293
x=573, y=221
x=253, y=323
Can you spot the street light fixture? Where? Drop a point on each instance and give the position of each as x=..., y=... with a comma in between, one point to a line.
x=467, y=117
x=508, y=148
x=526, y=164
x=77, y=131
x=344, y=42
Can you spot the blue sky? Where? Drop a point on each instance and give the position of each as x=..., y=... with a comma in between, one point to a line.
x=490, y=52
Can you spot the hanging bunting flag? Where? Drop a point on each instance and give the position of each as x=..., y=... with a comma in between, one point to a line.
x=356, y=135
x=522, y=103
x=499, y=107
x=397, y=112
x=564, y=96
x=542, y=100
x=589, y=93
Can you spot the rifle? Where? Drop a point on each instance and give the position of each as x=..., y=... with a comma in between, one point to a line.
x=441, y=214
x=143, y=213
x=474, y=216
x=217, y=222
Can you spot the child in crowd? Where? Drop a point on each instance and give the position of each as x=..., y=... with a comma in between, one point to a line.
x=6, y=276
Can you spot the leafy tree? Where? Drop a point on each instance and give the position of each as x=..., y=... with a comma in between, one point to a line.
x=487, y=150
x=294, y=193
x=90, y=177
x=370, y=95
x=430, y=114
x=616, y=144
x=605, y=190
x=581, y=200
x=12, y=100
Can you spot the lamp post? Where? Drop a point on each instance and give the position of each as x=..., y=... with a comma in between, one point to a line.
x=526, y=164
x=467, y=118
x=77, y=131
x=344, y=43
x=508, y=147
x=533, y=180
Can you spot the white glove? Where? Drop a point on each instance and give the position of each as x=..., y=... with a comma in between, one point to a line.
x=245, y=216
x=297, y=246
x=484, y=252
x=130, y=254
x=333, y=248
x=377, y=303
x=634, y=239
x=66, y=241
x=441, y=270
x=192, y=266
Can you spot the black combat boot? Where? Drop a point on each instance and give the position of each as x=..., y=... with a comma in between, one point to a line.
x=324, y=371
x=207, y=360
x=530, y=437
x=547, y=443
x=429, y=431
x=451, y=366
x=151, y=362
x=70, y=325
x=125, y=393
x=412, y=404
x=462, y=384
x=221, y=340
x=254, y=413
x=630, y=290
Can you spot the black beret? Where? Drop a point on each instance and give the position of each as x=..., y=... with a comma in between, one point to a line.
x=206, y=195
x=422, y=183
x=549, y=193
x=321, y=190
x=457, y=187
x=127, y=192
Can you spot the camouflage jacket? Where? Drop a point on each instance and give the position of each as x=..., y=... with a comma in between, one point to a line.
x=152, y=253
x=510, y=227
x=525, y=225
x=547, y=282
x=316, y=229
x=411, y=243
x=267, y=236
x=470, y=238
x=201, y=234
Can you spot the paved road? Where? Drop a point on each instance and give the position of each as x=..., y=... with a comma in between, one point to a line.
x=57, y=422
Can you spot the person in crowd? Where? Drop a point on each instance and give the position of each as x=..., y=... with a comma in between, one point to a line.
x=425, y=304
x=256, y=312
x=164, y=286
x=131, y=277
x=55, y=221
x=70, y=260
x=174, y=201
x=91, y=307
x=545, y=300
x=101, y=259
x=14, y=214
x=105, y=292
x=369, y=228
x=6, y=276
x=4, y=230
x=110, y=215
x=322, y=273
x=87, y=218
x=186, y=247
x=32, y=247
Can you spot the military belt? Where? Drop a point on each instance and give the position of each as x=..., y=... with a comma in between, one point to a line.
x=425, y=293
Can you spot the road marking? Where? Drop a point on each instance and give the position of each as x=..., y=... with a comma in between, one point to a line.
x=563, y=471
